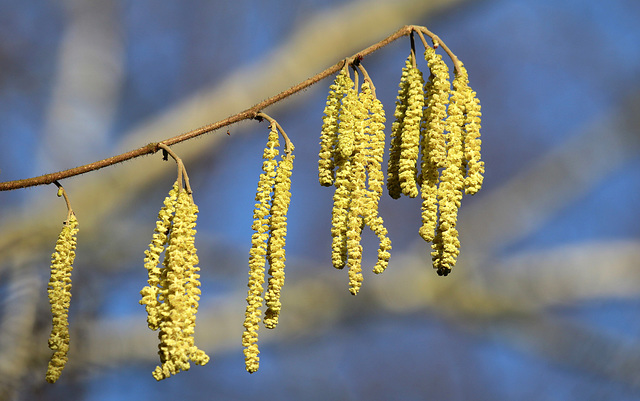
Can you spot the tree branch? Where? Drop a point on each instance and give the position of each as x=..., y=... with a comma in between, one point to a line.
x=249, y=113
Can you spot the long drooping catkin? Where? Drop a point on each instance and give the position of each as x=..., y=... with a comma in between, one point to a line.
x=151, y=294
x=437, y=94
x=397, y=128
x=258, y=252
x=329, y=133
x=60, y=297
x=374, y=153
x=358, y=191
x=472, y=142
x=410, y=143
x=277, y=240
x=433, y=149
x=345, y=168
x=446, y=244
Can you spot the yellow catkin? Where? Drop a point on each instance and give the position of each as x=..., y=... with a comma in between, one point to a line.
x=346, y=127
x=437, y=93
x=151, y=292
x=375, y=176
x=393, y=166
x=277, y=240
x=59, y=291
x=180, y=294
x=329, y=133
x=344, y=166
x=472, y=141
x=358, y=191
x=339, y=214
x=258, y=252
x=410, y=143
x=446, y=244
x=192, y=285
x=429, y=195
x=354, y=248
x=429, y=174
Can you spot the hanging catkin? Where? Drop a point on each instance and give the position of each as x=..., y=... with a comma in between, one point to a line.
x=60, y=296
x=277, y=240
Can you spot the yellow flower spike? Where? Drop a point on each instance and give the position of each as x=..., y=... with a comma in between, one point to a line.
x=376, y=144
x=429, y=195
x=258, y=251
x=375, y=175
x=354, y=233
x=339, y=214
x=437, y=94
x=277, y=240
x=446, y=244
x=192, y=283
x=60, y=295
x=472, y=142
x=180, y=287
x=393, y=166
x=358, y=189
x=172, y=296
x=429, y=173
x=329, y=133
x=347, y=125
x=151, y=292
x=410, y=143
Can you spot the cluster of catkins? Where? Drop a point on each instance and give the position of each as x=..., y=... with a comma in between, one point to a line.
x=435, y=150
x=351, y=153
x=267, y=243
x=434, y=153
x=171, y=298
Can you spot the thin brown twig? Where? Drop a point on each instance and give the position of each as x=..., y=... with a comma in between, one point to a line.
x=288, y=145
x=413, y=51
x=63, y=193
x=249, y=113
x=356, y=78
x=183, y=177
x=438, y=42
x=368, y=79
